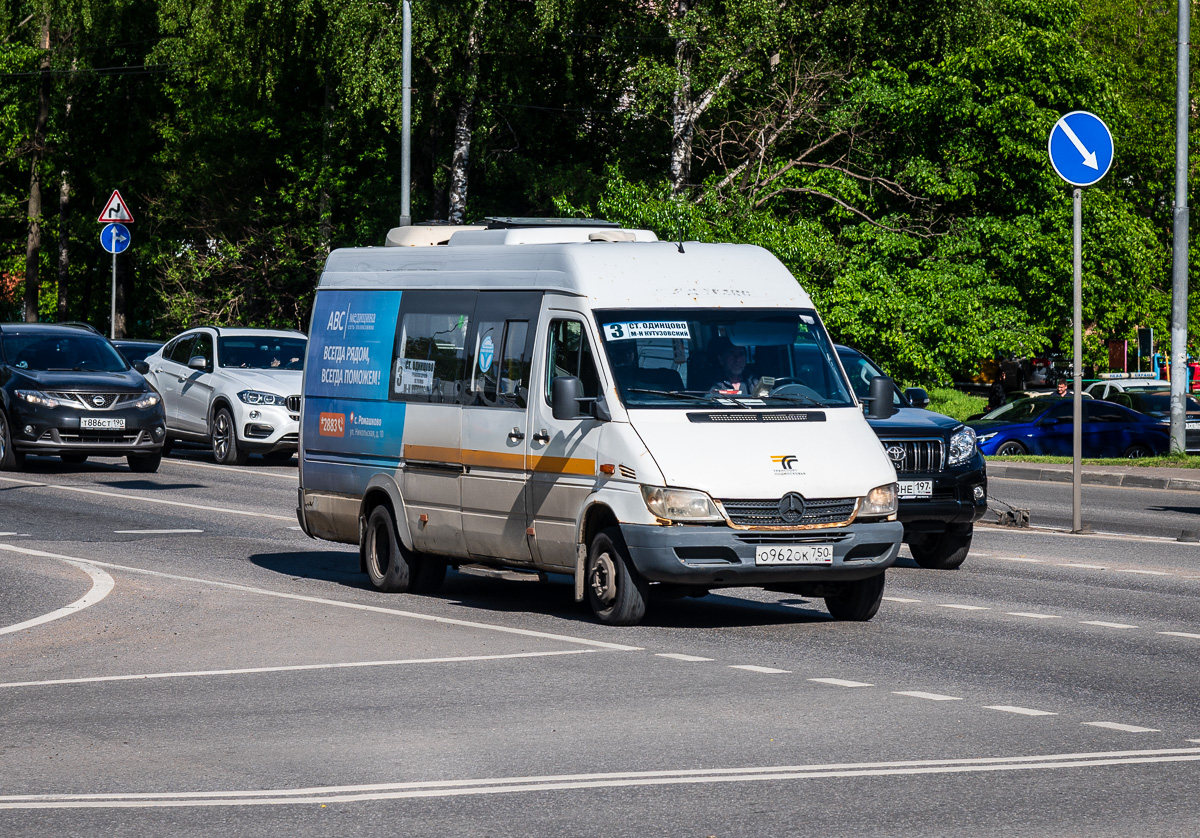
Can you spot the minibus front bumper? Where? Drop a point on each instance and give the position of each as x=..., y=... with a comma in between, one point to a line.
x=723, y=557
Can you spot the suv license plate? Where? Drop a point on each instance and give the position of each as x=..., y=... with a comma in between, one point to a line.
x=794, y=554
x=916, y=488
x=102, y=424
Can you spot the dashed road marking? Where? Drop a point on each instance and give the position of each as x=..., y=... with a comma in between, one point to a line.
x=155, y=532
x=928, y=696
x=677, y=657
x=1084, y=566
x=765, y=670
x=1106, y=624
x=1018, y=559
x=1181, y=634
x=838, y=682
x=1122, y=728
x=899, y=599
x=962, y=607
x=1033, y=616
x=1022, y=711
x=1139, y=570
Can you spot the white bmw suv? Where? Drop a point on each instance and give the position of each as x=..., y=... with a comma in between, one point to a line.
x=236, y=389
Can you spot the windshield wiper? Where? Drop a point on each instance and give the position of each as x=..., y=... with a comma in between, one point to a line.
x=797, y=398
x=675, y=394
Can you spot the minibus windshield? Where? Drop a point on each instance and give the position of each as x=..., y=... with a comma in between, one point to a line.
x=679, y=358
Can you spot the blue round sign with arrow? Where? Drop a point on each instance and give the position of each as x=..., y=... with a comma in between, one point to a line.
x=114, y=237
x=1081, y=148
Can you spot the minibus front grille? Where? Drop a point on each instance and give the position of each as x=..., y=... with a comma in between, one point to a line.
x=818, y=512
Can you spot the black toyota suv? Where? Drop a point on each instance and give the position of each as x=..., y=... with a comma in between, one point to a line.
x=942, y=476
x=67, y=392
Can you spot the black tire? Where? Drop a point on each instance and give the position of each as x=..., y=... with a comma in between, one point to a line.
x=941, y=550
x=1137, y=451
x=168, y=445
x=427, y=575
x=858, y=601
x=71, y=458
x=144, y=463
x=10, y=458
x=225, y=448
x=389, y=566
x=615, y=591
x=1012, y=448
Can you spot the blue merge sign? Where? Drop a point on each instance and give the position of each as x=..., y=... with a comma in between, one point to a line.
x=114, y=238
x=1081, y=148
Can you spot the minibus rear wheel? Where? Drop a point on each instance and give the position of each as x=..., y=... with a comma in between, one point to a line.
x=615, y=591
x=389, y=565
x=858, y=601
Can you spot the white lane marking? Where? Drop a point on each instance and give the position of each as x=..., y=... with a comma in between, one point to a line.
x=929, y=696
x=677, y=657
x=143, y=499
x=1180, y=634
x=1084, y=566
x=1123, y=728
x=1023, y=711
x=765, y=670
x=293, y=476
x=503, y=785
x=838, y=682
x=899, y=599
x=102, y=585
x=17, y=534
x=1018, y=559
x=1106, y=625
x=1138, y=570
x=1033, y=616
x=154, y=532
x=962, y=607
x=376, y=609
x=150, y=676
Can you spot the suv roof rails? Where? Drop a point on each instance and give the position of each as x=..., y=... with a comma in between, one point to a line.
x=79, y=324
x=509, y=223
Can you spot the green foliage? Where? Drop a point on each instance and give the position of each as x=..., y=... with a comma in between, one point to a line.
x=955, y=403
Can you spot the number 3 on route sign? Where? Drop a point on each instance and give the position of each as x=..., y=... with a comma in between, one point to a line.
x=1081, y=148
x=114, y=238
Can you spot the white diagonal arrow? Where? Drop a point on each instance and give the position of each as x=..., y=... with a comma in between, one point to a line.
x=1089, y=157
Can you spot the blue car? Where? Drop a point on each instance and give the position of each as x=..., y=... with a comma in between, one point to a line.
x=1046, y=426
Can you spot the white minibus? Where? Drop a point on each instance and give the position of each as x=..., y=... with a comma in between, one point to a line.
x=652, y=418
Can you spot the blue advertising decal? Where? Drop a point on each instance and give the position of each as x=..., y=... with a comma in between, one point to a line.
x=350, y=348
x=354, y=427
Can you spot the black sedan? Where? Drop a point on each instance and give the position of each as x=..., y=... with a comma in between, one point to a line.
x=68, y=392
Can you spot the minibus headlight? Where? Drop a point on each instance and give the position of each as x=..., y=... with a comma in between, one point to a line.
x=680, y=504
x=962, y=446
x=880, y=501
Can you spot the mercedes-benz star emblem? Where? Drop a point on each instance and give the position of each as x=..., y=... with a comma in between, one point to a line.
x=896, y=454
x=791, y=508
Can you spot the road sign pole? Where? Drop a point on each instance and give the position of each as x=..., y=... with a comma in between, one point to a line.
x=112, y=326
x=1077, y=398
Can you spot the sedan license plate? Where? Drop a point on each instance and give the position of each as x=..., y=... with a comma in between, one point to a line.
x=794, y=554
x=916, y=488
x=108, y=424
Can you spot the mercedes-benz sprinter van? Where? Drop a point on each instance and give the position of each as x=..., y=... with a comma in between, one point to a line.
x=648, y=417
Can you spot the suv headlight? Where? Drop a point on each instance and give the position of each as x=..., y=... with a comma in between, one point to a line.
x=680, y=504
x=880, y=501
x=39, y=398
x=962, y=446
x=148, y=400
x=259, y=397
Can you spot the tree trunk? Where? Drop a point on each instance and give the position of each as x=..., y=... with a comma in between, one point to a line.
x=33, y=245
x=324, y=219
x=463, y=121
x=683, y=123
x=64, y=238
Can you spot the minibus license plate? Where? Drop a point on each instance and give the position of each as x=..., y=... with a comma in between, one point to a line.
x=916, y=488
x=103, y=424
x=794, y=554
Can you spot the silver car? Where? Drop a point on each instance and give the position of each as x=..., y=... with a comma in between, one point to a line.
x=235, y=389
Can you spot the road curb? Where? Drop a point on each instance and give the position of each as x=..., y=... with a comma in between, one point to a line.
x=1139, y=479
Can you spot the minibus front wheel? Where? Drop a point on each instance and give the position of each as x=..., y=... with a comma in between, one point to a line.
x=857, y=600
x=616, y=592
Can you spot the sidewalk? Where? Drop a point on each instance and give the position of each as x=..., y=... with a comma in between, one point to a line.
x=1178, y=479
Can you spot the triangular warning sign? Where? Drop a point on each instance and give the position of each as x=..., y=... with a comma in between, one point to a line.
x=116, y=210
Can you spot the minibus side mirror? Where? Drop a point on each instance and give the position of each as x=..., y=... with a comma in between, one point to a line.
x=565, y=391
x=882, y=389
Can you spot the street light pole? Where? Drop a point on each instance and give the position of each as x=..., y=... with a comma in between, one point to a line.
x=406, y=121
x=1179, y=268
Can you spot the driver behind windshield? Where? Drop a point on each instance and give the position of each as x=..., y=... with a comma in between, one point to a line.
x=731, y=361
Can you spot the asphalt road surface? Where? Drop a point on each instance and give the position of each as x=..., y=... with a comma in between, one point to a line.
x=176, y=658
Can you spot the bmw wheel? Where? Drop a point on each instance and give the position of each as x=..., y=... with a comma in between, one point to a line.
x=224, y=440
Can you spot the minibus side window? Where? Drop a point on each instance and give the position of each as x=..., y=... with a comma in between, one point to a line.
x=570, y=353
x=429, y=357
x=500, y=377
